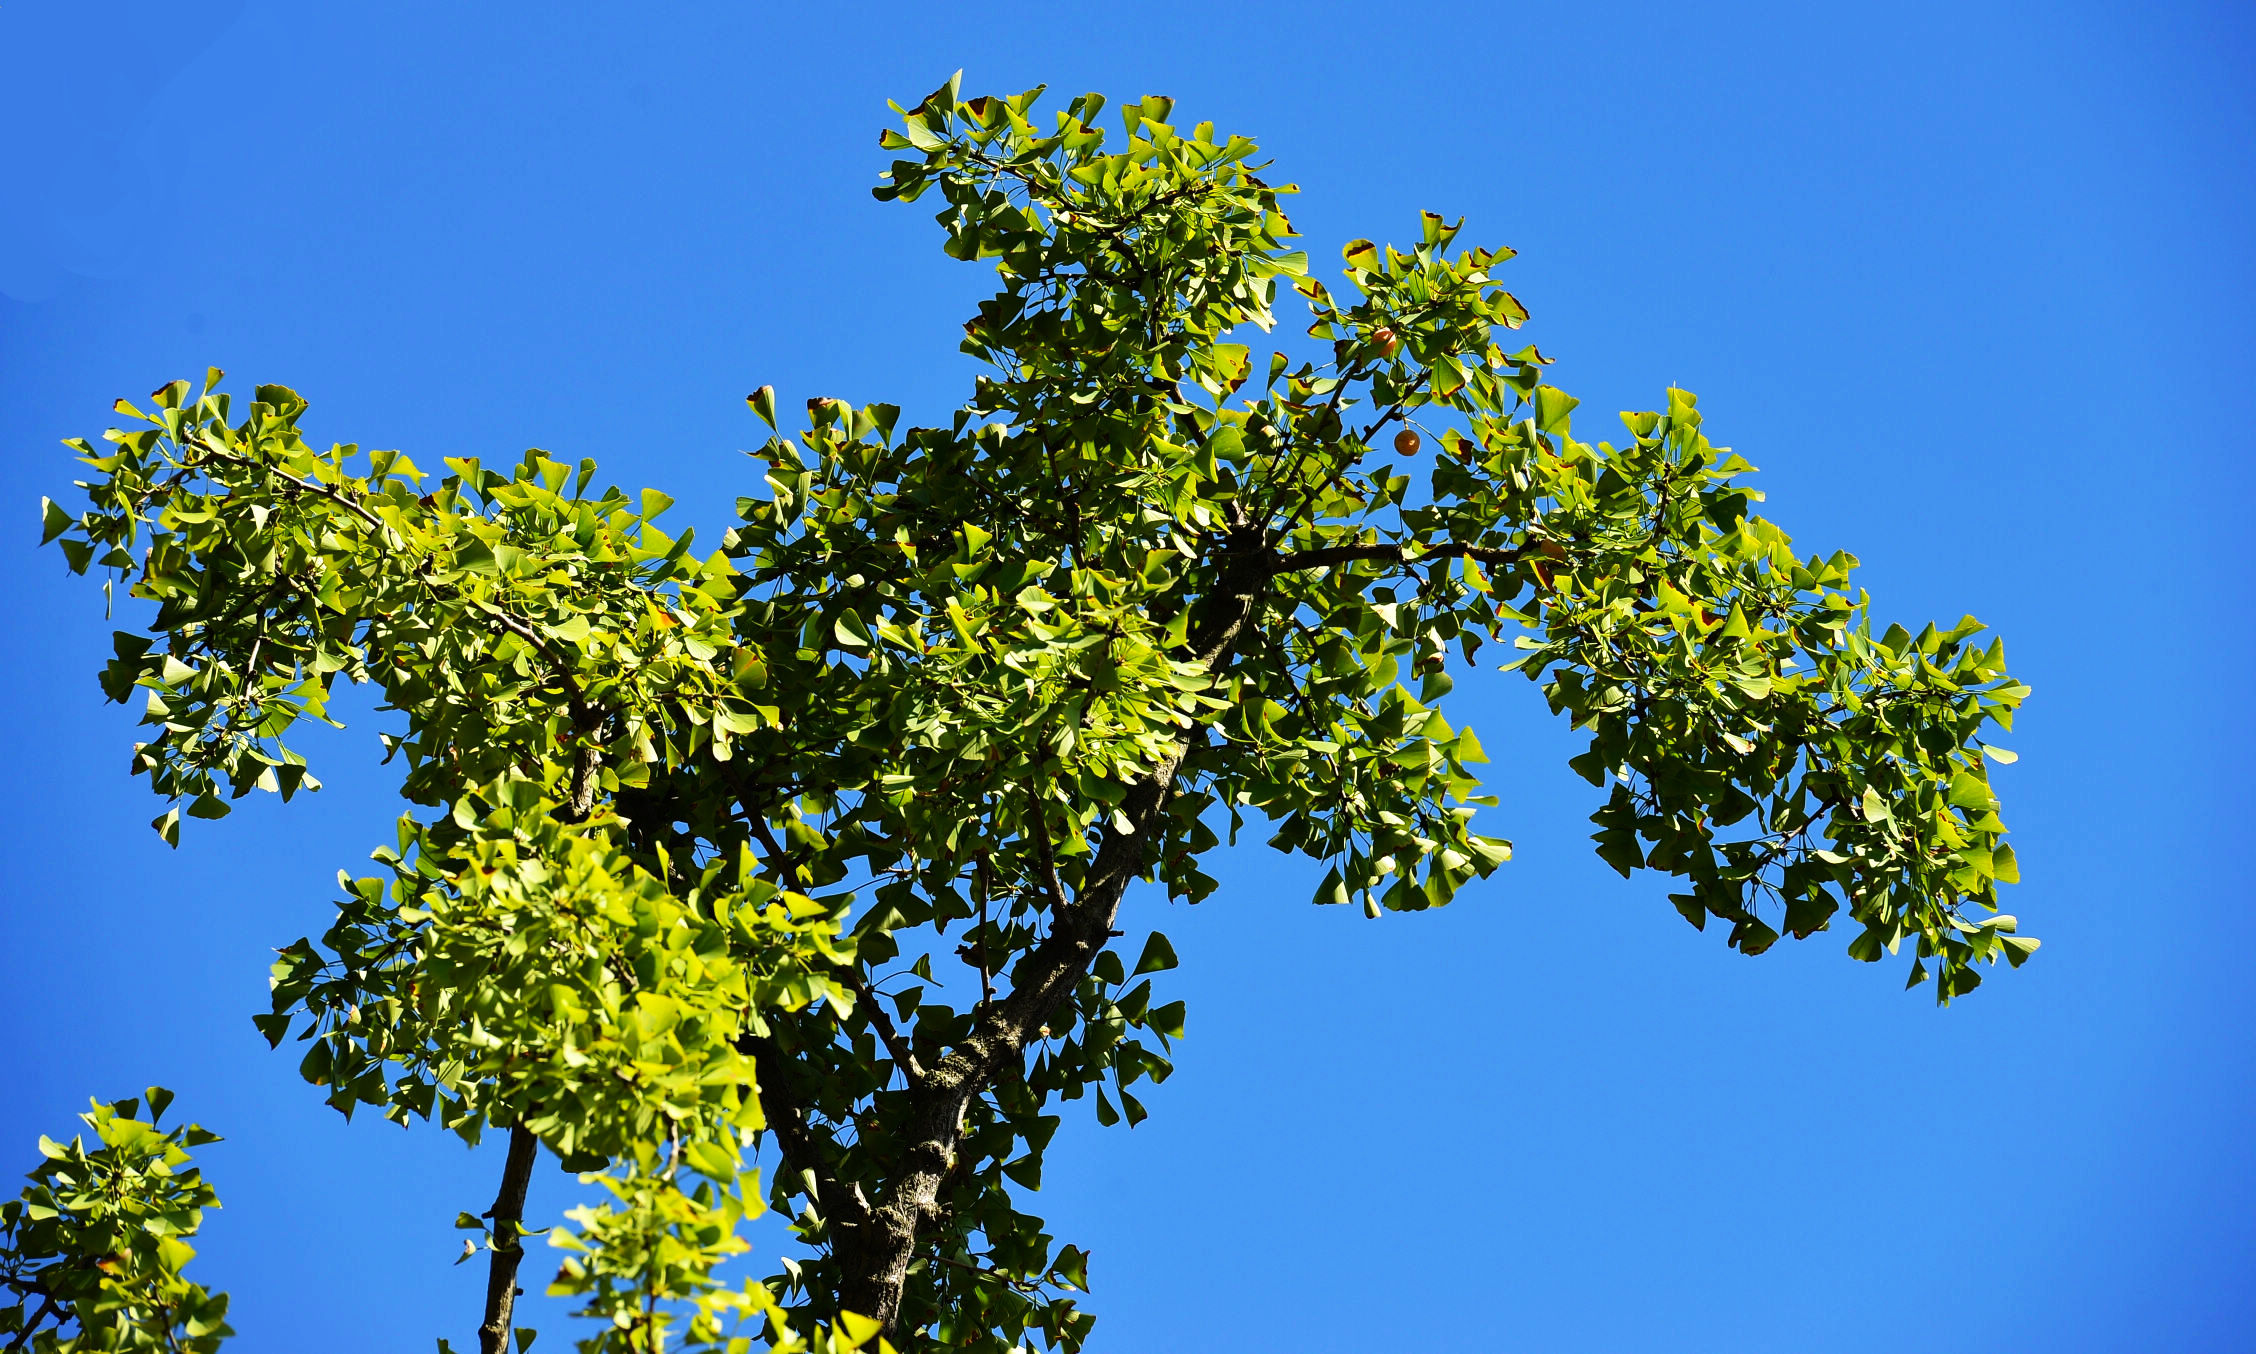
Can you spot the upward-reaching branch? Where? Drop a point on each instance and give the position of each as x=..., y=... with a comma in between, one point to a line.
x=508, y=1214
x=1044, y=979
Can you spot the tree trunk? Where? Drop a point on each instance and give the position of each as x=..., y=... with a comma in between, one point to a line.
x=875, y=1261
x=508, y=1244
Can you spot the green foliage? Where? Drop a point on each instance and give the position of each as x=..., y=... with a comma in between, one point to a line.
x=519, y=625
x=520, y=967
x=91, y=1252
x=815, y=845
x=653, y=1247
x=1728, y=684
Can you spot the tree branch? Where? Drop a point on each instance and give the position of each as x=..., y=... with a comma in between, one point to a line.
x=1045, y=853
x=589, y=758
x=846, y=1211
x=756, y=822
x=1328, y=556
x=786, y=1117
x=323, y=490
x=984, y=882
x=1043, y=980
x=46, y=1308
x=894, y=1044
x=1020, y=1284
x=508, y=1213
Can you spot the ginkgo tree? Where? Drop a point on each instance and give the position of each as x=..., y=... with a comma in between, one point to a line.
x=788, y=874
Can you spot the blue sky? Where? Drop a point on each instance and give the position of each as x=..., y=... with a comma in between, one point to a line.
x=1969, y=282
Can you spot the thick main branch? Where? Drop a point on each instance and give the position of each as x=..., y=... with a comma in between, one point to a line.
x=875, y=1269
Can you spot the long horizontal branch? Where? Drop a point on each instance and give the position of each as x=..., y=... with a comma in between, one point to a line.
x=584, y=714
x=307, y=486
x=1328, y=556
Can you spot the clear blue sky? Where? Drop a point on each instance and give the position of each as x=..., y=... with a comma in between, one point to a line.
x=1972, y=284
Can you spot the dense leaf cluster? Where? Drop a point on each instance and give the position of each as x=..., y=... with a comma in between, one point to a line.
x=91, y=1252
x=815, y=846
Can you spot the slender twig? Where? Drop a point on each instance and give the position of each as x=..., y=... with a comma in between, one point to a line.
x=1341, y=377
x=1331, y=480
x=1046, y=855
x=1022, y=1285
x=894, y=1043
x=311, y=487
x=983, y=882
x=581, y=710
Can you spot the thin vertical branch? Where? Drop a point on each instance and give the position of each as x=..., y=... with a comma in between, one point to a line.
x=984, y=885
x=507, y=1213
